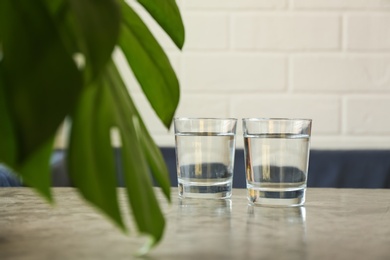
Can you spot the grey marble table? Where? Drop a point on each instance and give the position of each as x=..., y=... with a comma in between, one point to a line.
x=334, y=224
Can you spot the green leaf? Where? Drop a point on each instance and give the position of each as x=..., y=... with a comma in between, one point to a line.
x=146, y=210
x=152, y=152
x=91, y=157
x=36, y=170
x=156, y=161
x=150, y=65
x=66, y=25
x=167, y=15
x=55, y=6
x=41, y=80
x=40, y=84
x=97, y=22
x=143, y=202
x=7, y=136
x=91, y=163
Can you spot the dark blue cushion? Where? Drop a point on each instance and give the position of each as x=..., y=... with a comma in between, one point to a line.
x=349, y=169
x=7, y=178
x=327, y=168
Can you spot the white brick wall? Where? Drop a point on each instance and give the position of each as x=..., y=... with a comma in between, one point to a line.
x=341, y=73
x=368, y=31
x=232, y=72
x=284, y=31
x=328, y=60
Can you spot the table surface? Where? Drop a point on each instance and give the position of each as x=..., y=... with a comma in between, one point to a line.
x=333, y=224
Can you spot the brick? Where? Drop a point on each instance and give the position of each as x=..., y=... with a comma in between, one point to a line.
x=368, y=32
x=324, y=110
x=368, y=115
x=341, y=73
x=286, y=31
x=203, y=105
x=244, y=31
x=341, y=4
x=234, y=4
x=233, y=72
x=206, y=31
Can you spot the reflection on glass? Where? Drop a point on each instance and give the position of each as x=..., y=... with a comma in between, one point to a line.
x=221, y=208
x=276, y=214
x=206, y=215
x=277, y=231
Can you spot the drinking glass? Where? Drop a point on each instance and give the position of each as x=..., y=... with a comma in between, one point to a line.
x=276, y=160
x=205, y=156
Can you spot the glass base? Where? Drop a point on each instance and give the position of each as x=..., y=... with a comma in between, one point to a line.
x=206, y=191
x=277, y=197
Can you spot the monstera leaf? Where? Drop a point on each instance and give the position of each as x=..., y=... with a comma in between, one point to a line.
x=55, y=62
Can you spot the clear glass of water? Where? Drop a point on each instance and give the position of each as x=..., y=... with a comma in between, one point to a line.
x=205, y=156
x=276, y=160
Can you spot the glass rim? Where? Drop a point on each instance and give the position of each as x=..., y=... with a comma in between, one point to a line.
x=276, y=119
x=205, y=118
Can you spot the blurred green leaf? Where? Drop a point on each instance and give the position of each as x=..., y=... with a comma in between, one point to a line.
x=150, y=65
x=40, y=84
x=7, y=135
x=146, y=210
x=153, y=154
x=143, y=202
x=156, y=161
x=36, y=171
x=167, y=15
x=97, y=21
x=66, y=23
x=40, y=78
x=90, y=155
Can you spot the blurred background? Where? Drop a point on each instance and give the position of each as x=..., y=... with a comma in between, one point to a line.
x=327, y=60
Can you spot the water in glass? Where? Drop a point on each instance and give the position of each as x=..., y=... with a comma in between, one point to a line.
x=205, y=164
x=276, y=168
